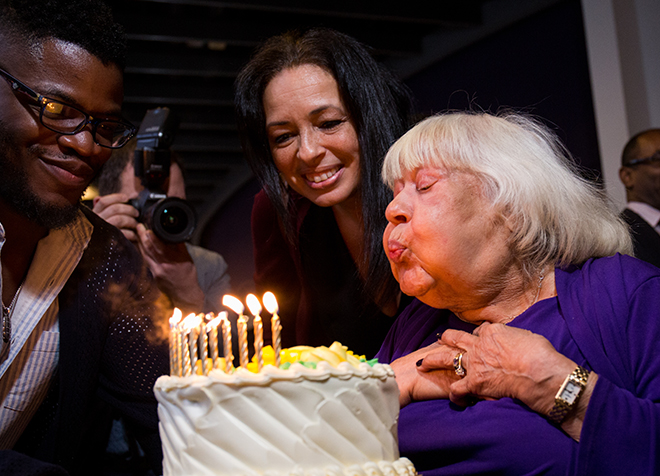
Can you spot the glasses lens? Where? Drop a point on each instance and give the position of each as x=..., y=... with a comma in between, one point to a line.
x=113, y=134
x=61, y=117
x=653, y=160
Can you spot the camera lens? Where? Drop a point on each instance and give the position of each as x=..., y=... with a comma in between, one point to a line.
x=173, y=220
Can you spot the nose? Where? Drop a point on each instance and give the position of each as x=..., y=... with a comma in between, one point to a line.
x=82, y=142
x=398, y=211
x=310, y=147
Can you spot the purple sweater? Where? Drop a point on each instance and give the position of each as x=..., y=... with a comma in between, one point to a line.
x=606, y=317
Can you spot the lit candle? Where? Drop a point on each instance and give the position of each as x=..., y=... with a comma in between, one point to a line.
x=255, y=309
x=191, y=326
x=212, y=330
x=174, y=338
x=204, y=338
x=179, y=348
x=271, y=306
x=237, y=306
x=226, y=342
x=186, y=328
x=187, y=367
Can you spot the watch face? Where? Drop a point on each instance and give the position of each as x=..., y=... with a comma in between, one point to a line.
x=570, y=392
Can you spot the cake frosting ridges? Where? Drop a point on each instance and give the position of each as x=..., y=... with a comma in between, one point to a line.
x=327, y=420
x=302, y=411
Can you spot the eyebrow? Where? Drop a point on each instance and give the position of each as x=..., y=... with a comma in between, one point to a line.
x=314, y=112
x=60, y=95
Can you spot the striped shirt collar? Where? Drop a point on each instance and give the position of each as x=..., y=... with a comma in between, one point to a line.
x=28, y=363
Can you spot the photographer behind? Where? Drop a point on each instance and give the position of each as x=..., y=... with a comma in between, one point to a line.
x=194, y=278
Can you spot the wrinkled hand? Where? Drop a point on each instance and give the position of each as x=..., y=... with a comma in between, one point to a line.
x=114, y=209
x=502, y=361
x=173, y=268
x=432, y=383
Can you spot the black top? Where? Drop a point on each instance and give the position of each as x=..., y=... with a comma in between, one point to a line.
x=341, y=310
x=646, y=240
x=316, y=281
x=109, y=350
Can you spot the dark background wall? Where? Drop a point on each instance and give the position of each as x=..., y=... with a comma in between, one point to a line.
x=538, y=66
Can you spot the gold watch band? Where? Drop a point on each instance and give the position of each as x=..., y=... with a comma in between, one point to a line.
x=561, y=408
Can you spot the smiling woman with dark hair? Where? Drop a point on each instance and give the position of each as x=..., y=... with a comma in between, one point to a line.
x=531, y=347
x=316, y=115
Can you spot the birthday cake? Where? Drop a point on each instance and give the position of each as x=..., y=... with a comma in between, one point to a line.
x=322, y=412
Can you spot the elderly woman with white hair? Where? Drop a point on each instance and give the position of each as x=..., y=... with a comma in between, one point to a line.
x=532, y=346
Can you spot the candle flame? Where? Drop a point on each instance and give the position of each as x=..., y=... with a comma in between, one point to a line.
x=191, y=321
x=216, y=321
x=233, y=303
x=176, y=316
x=270, y=302
x=253, y=304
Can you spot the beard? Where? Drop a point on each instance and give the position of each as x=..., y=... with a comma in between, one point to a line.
x=15, y=190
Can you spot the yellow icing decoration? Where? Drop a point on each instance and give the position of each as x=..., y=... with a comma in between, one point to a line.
x=334, y=355
x=294, y=354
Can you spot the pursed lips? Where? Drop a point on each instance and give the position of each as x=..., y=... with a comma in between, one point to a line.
x=395, y=250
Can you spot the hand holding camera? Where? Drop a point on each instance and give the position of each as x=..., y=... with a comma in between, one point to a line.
x=116, y=210
x=150, y=210
x=172, y=219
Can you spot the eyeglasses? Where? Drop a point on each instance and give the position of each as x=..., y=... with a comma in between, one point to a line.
x=69, y=120
x=654, y=159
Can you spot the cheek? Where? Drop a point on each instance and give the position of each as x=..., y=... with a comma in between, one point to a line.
x=283, y=161
x=351, y=146
x=386, y=235
x=100, y=159
x=21, y=124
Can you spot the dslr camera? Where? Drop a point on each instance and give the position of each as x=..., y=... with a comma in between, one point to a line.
x=171, y=219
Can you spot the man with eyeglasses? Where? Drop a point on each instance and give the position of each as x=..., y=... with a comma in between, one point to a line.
x=640, y=174
x=79, y=314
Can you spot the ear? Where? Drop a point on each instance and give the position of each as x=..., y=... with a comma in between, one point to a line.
x=503, y=214
x=626, y=176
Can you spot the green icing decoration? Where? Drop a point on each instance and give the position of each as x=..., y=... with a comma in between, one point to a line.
x=309, y=365
x=312, y=365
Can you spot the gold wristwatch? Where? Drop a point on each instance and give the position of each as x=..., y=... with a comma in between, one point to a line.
x=568, y=395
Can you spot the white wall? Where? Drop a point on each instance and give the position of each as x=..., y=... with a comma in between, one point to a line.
x=623, y=44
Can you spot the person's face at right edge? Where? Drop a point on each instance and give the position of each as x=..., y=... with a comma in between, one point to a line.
x=44, y=172
x=643, y=180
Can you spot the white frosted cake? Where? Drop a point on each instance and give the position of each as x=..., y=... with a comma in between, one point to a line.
x=339, y=418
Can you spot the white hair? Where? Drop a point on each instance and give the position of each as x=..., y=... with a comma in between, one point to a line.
x=557, y=216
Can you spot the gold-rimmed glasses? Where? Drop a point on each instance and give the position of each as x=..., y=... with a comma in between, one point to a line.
x=69, y=120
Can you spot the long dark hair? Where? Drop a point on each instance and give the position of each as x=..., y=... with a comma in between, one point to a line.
x=381, y=109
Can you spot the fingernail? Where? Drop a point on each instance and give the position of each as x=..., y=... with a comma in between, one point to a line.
x=419, y=362
x=438, y=335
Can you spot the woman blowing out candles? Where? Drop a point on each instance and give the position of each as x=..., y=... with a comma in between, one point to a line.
x=532, y=345
x=317, y=114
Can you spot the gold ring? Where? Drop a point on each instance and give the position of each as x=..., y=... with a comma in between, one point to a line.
x=458, y=365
